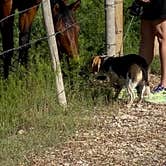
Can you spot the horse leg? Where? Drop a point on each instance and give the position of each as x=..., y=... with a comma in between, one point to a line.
x=25, y=24
x=6, y=27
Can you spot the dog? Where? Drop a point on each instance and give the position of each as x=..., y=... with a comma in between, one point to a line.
x=130, y=70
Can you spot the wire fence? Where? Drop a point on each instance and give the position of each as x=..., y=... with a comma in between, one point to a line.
x=35, y=41
x=90, y=34
x=19, y=12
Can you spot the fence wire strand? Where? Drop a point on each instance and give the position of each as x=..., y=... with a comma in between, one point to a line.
x=19, y=12
x=35, y=41
x=42, y=38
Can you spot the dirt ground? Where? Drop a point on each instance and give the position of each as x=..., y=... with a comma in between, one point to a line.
x=133, y=136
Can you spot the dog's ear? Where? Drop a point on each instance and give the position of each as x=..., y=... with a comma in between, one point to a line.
x=96, y=63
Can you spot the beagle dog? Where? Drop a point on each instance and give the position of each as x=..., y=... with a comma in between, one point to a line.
x=130, y=71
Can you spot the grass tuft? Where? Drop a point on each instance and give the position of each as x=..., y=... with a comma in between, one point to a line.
x=31, y=118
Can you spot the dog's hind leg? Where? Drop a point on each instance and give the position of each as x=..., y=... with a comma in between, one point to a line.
x=140, y=91
x=130, y=86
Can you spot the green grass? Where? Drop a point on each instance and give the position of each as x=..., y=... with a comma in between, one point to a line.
x=28, y=100
x=42, y=130
x=28, y=104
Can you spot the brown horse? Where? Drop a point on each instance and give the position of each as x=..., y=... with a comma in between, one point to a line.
x=64, y=22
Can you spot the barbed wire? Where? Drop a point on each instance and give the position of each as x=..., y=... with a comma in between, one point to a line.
x=19, y=12
x=34, y=6
x=37, y=40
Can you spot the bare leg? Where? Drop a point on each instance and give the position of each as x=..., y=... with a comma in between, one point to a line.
x=160, y=26
x=147, y=40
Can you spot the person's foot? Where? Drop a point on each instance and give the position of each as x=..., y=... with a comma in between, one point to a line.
x=159, y=89
x=158, y=95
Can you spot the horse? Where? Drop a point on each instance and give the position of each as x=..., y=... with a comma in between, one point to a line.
x=64, y=23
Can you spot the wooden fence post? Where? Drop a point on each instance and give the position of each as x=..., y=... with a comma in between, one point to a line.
x=110, y=27
x=54, y=51
x=119, y=26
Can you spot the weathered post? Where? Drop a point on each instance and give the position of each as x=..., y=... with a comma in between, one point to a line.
x=110, y=27
x=119, y=26
x=54, y=51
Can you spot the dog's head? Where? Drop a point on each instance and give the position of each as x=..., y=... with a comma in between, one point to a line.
x=97, y=62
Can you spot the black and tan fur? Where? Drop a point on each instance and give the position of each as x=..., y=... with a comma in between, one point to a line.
x=129, y=70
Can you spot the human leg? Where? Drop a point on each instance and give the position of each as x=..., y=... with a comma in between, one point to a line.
x=159, y=93
x=147, y=40
x=160, y=26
